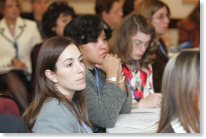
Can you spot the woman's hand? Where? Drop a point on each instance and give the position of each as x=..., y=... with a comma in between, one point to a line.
x=151, y=101
x=18, y=64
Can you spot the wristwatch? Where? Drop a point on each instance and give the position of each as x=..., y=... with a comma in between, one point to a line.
x=112, y=79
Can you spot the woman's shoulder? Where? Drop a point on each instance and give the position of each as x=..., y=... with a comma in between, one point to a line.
x=54, y=117
x=55, y=107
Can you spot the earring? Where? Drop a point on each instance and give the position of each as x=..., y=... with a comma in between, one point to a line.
x=55, y=87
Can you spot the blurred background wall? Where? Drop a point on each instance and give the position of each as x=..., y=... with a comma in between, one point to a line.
x=179, y=8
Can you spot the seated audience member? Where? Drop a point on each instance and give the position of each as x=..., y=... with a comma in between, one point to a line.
x=54, y=20
x=180, y=111
x=189, y=30
x=38, y=9
x=134, y=45
x=17, y=37
x=105, y=90
x=111, y=13
x=59, y=104
x=12, y=124
x=158, y=13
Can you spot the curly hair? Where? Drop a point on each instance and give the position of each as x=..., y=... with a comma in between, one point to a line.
x=84, y=29
x=51, y=15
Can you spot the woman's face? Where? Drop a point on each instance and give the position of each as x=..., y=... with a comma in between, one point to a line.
x=61, y=22
x=11, y=10
x=160, y=21
x=70, y=74
x=140, y=43
x=95, y=52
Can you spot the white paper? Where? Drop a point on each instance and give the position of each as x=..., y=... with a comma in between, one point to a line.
x=139, y=121
x=148, y=110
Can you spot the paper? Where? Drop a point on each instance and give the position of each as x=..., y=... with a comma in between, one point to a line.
x=139, y=121
x=149, y=110
x=129, y=130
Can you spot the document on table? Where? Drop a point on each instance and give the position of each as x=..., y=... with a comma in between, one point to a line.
x=148, y=110
x=140, y=121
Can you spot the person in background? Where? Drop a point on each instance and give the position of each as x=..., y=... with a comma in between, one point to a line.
x=17, y=37
x=130, y=6
x=54, y=20
x=59, y=105
x=180, y=111
x=134, y=45
x=111, y=13
x=39, y=7
x=189, y=30
x=106, y=90
x=158, y=14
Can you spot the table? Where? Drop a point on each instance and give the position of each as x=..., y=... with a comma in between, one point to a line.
x=138, y=121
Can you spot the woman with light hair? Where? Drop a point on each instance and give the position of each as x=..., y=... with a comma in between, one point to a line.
x=158, y=14
x=180, y=111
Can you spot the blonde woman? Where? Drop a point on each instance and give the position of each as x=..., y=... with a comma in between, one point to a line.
x=180, y=111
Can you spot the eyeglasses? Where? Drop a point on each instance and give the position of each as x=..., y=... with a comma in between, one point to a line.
x=161, y=17
x=139, y=44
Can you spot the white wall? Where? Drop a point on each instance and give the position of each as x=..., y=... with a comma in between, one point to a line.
x=178, y=8
x=83, y=6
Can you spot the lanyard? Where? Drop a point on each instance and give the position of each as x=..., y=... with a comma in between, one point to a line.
x=16, y=38
x=97, y=81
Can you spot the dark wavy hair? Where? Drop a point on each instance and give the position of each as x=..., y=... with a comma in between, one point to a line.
x=84, y=29
x=44, y=87
x=51, y=15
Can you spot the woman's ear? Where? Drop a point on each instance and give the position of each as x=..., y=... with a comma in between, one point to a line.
x=51, y=75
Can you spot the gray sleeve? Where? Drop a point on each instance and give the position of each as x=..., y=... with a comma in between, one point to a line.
x=104, y=110
x=127, y=105
x=55, y=119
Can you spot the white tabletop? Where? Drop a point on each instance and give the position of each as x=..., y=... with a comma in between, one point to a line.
x=139, y=121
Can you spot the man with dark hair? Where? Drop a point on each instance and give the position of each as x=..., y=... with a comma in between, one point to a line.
x=111, y=13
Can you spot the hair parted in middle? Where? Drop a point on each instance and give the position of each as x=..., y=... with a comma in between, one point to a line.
x=45, y=88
